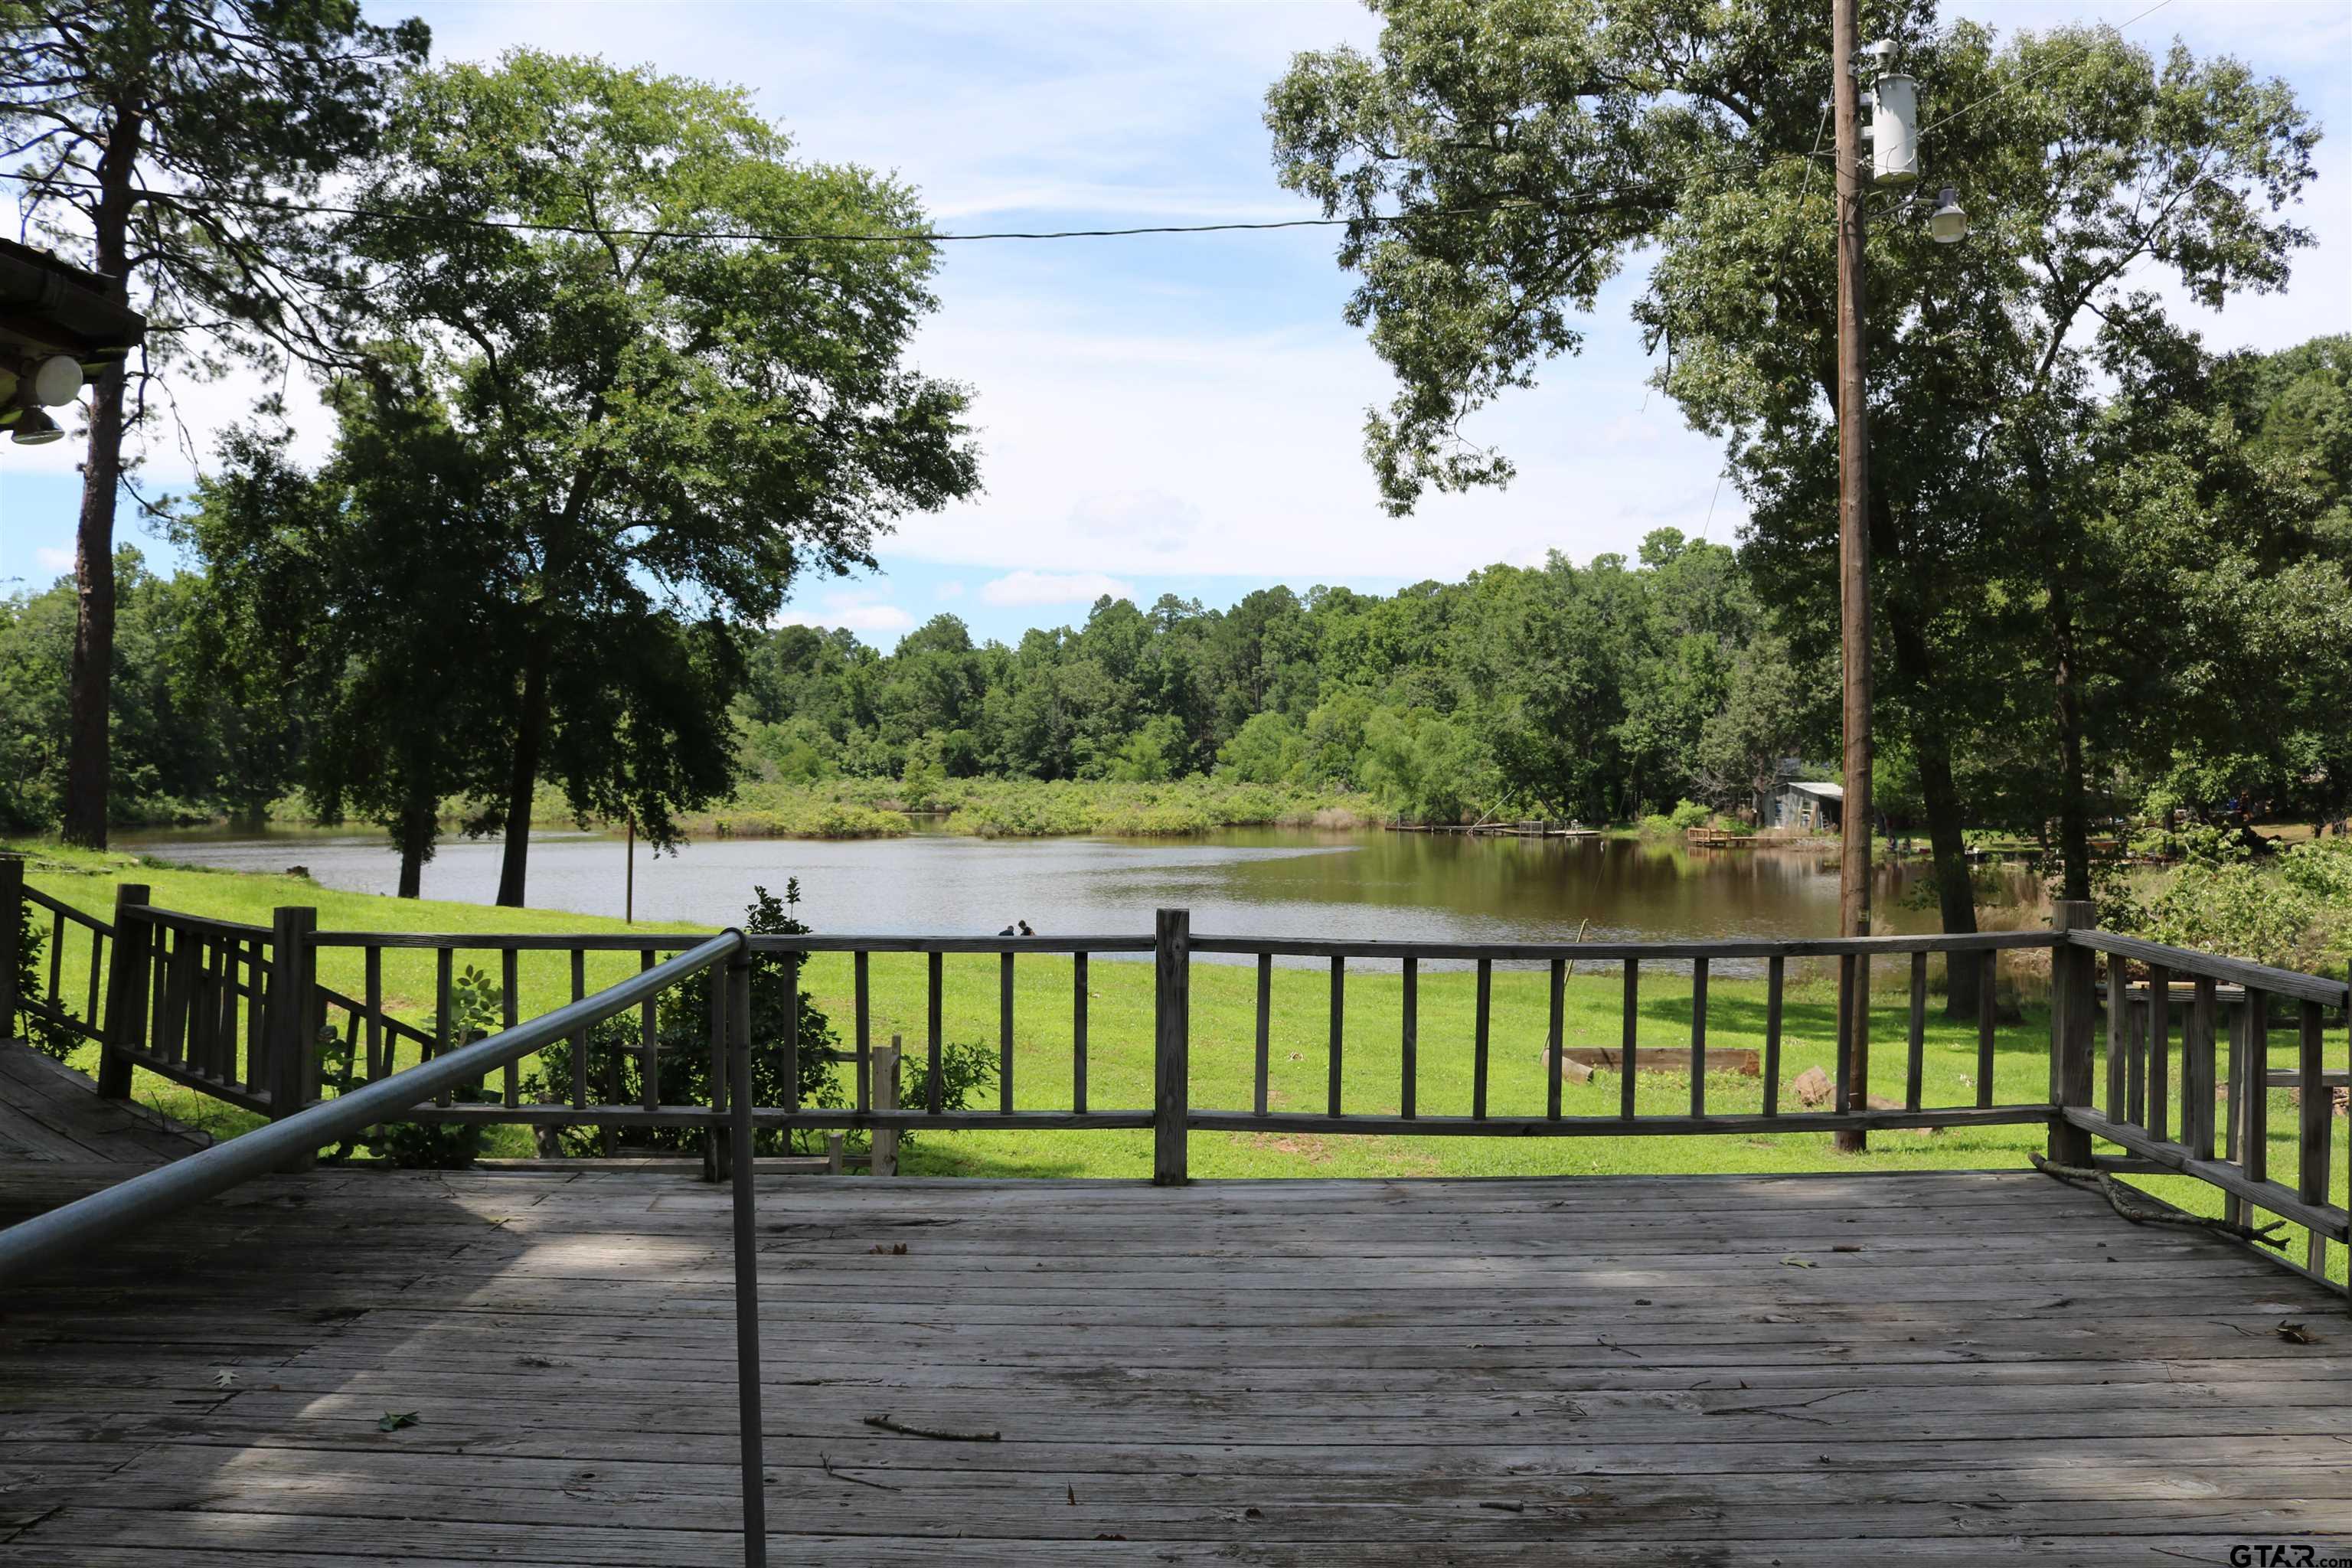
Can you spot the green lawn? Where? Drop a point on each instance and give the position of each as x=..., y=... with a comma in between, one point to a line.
x=1223, y=1001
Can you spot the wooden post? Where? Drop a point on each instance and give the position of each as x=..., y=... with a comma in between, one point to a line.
x=1171, y=1009
x=291, y=1002
x=886, y=1098
x=11, y=938
x=126, y=989
x=1853, y=545
x=2074, y=1007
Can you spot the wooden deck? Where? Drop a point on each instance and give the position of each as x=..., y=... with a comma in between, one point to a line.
x=1799, y=1370
x=50, y=1114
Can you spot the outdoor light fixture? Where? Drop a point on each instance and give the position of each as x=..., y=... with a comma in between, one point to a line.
x=54, y=381
x=1947, y=224
x=34, y=428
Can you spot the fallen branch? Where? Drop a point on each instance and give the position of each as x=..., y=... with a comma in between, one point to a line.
x=2078, y=1176
x=886, y=1425
x=853, y=1480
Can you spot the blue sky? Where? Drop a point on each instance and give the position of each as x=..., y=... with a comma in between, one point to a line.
x=1183, y=414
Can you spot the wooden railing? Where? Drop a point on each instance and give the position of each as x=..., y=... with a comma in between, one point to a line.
x=2177, y=1080
x=2201, y=1105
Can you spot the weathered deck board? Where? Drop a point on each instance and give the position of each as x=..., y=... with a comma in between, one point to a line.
x=1972, y=1365
x=50, y=1112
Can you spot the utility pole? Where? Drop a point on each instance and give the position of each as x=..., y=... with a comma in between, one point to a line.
x=1853, y=553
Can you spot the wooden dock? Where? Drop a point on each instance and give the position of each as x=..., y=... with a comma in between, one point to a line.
x=1828, y=1370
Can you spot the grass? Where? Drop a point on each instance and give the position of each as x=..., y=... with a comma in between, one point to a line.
x=1119, y=1008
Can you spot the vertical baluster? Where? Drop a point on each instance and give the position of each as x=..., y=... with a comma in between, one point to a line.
x=1004, y=1032
x=792, y=1028
x=509, y=1013
x=580, y=1040
x=862, y=1099
x=1775, y=984
x=1915, y=1065
x=178, y=981
x=649, y=1042
x=1988, y=1016
x=159, y=986
x=444, y=964
x=1698, y=1037
x=93, y=1006
x=1265, y=1052
x=2136, y=1060
x=1409, y=1062
x=257, y=969
x=371, y=1000
x=2233, y=1125
x=937, y=968
x=1479, y=1045
x=1844, y=1099
x=224, y=1041
x=1556, y=1036
x=1339, y=1029
x=2197, y=1071
x=2255, y=1150
x=863, y=1036
x=2119, y=1035
x=2319, y=1126
x=1629, y=1048
x=1078, y=1032
x=2159, y=1048
x=57, y=956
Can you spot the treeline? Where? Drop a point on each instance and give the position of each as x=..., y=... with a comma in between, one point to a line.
x=1601, y=691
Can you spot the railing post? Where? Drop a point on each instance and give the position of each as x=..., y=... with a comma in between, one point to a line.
x=291, y=973
x=2073, y=1004
x=126, y=991
x=737, y=979
x=886, y=1098
x=1171, y=1012
x=12, y=939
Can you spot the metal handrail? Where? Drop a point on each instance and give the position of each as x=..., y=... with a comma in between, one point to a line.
x=63, y=1232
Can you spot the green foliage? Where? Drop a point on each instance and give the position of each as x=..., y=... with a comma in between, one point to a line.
x=2005, y=478
x=1689, y=813
x=32, y=941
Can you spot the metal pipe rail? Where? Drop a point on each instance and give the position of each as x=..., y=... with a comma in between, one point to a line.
x=104, y=1215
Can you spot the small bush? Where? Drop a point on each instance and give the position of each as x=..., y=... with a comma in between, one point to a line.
x=34, y=1030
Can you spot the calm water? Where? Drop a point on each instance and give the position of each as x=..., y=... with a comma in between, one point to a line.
x=1241, y=881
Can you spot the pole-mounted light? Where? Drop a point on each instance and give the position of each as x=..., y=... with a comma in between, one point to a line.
x=1948, y=224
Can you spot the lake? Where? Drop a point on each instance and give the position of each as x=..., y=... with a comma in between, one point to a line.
x=1282, y=881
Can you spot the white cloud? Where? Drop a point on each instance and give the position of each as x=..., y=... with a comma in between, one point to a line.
x=950, y=589
x=1021, y=588
x=871, y=618
x=50, y=558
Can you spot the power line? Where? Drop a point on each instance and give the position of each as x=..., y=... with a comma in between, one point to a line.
x=324, y=209
x=2046, y=65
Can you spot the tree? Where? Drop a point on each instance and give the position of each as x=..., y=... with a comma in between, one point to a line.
x=1531, y=148
x=682, y=420
x=354, y=597
x=156, y=144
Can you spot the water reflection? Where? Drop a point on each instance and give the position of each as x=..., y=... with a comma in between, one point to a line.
x=1242, y=881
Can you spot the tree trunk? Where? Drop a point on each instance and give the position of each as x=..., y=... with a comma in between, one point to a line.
x=530, y=728
x=2073, y=810
x=88, y=741
x=89, y=752
x=1955, y=889
x=419, y=825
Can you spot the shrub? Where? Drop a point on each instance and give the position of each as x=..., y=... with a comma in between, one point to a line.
x=682, y=1033
x=34, y=1030
x=1689, y=813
